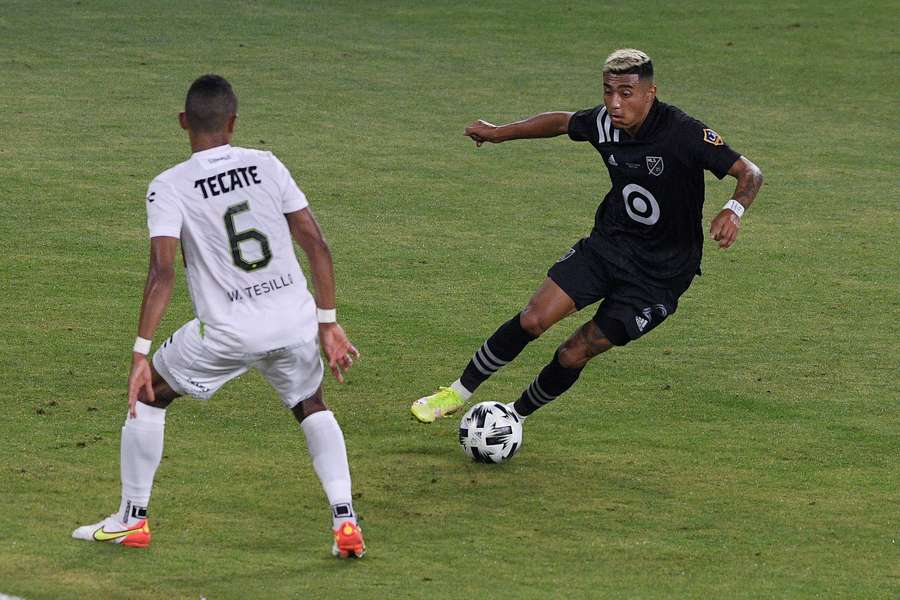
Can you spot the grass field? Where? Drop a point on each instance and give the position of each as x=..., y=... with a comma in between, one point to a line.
x=750, y=448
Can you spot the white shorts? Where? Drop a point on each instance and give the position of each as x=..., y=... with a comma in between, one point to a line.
x=192, y=367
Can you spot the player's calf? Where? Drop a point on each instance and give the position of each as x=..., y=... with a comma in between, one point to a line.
x=553, y=381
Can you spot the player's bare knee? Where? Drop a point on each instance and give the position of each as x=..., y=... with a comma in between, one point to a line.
x=583, y=345
x=532, y=321
x=572, y=357
x=162, y=400
x=158, y=403
x=575, y=352
x=308, y=406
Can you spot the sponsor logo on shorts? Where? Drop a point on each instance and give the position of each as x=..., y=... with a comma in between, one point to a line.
x=646, y=316
x=641, y=322
x=199, y=386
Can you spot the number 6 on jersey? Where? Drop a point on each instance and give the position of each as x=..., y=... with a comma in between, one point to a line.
x=235, y=240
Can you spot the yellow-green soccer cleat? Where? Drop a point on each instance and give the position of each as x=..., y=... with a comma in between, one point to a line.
x=444, y=402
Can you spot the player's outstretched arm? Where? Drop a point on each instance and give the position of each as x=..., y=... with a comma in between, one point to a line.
x=544, y=125
x=157, y=293
x=724, y=227
x=337, y=348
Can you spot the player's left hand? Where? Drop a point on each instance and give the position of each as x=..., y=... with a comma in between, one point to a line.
x=338, y=350
x=139, y=379
x=724, y=228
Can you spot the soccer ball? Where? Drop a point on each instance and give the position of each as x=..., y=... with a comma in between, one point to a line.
x=490, y=433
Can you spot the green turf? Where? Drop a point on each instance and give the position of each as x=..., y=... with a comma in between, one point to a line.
x=748, y=448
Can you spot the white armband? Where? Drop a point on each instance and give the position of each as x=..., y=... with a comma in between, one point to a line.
x=326, y=315
x=142, y=345
x=735, y=207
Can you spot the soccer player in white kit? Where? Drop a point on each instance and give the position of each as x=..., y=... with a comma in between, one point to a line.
x=235, y=211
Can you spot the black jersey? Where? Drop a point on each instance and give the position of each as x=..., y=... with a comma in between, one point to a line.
x=651, y=219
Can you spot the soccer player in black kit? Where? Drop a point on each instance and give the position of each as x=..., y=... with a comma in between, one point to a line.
x=646, y=244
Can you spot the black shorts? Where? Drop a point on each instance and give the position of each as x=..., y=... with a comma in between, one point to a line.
x=632, y=304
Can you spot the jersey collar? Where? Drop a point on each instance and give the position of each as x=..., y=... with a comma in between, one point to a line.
x=213, y=157
x=212, y=152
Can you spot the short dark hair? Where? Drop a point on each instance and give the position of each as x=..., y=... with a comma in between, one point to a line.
x=629, y=61
x=209, y=104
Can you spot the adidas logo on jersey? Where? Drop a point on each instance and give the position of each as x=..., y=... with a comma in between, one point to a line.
x=612, y=160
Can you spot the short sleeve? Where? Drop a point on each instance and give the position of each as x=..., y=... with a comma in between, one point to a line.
x=583, y=125
x=708, y=149
x=164, y=216
x=292, y=197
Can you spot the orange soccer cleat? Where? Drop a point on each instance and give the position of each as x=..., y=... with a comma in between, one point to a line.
x=348, y=541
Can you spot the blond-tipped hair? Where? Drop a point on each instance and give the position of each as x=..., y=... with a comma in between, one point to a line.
x=626, y=61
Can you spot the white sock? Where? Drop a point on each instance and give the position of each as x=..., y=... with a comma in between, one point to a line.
x=325, y=441
x=460, y=389
x=141, y=451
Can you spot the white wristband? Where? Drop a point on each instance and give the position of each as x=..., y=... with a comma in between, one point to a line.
x=142, y=346
x=735, y=207
x=326, y=315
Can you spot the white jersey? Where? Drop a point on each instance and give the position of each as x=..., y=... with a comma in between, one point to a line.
x=227, y=205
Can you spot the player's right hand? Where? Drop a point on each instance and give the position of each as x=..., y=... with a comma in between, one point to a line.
x=481, y=131
x=724, y=228
x=338, y=350
x=139, y=379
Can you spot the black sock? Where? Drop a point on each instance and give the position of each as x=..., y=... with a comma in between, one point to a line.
x=506, y=344
x=552, y=382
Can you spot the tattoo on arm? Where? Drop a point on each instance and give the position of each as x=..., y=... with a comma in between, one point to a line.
x=748, y=185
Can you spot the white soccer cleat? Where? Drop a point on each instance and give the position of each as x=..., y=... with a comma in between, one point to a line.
x=112, y=530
